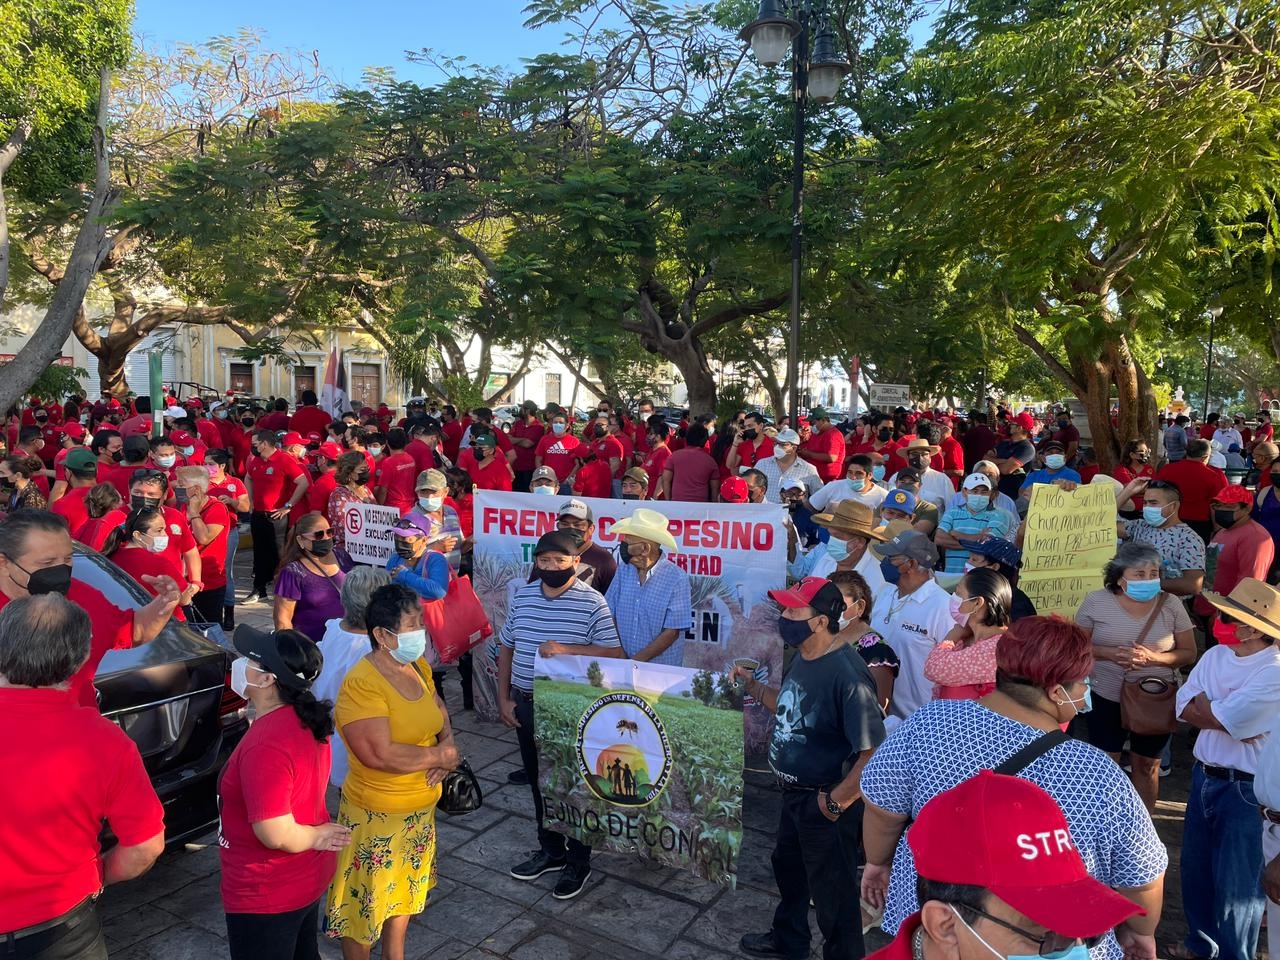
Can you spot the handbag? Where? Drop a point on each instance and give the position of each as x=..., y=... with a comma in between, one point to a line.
x=460, y=791
x=1147, y=704
x=457, y=622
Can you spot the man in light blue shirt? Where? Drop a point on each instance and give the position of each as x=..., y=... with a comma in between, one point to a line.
x=977, y=519
x=1055, y=467
x=650, y=596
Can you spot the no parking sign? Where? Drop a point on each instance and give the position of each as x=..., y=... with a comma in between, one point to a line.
x=368, y=532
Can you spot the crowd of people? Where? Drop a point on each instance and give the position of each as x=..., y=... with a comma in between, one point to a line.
x=914, y=660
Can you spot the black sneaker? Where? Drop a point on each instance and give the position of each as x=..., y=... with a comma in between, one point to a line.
x=538, y=864
x=762, y=945
x=518, y=776
x=255, y=597
x=572, y=879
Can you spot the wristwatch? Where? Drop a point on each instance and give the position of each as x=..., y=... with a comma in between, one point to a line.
x=833, y=808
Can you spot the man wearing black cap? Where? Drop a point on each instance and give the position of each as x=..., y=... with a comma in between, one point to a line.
x=553, y=614
x=827, y=722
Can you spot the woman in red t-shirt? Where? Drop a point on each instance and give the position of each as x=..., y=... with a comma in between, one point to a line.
x=1134, y=462
x=277, y=844
x=105, y=515
x=139, y=549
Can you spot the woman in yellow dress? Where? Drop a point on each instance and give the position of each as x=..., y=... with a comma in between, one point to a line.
x=397, y=733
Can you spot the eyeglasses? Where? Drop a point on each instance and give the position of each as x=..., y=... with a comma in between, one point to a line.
x=1051, y=945
x=148, y=475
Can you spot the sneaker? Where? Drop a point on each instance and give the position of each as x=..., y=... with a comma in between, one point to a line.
x=518, y=776
x=538, y=864
x=1165, y=771
x=255, y=597
x=761, y=945
x=572, y=879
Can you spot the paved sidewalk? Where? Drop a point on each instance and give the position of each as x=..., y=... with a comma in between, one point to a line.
x=629, y=909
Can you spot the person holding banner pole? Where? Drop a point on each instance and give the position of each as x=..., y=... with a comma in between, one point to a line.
x=554, y=614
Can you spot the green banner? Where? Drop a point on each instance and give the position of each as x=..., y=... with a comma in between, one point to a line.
x=644, y=759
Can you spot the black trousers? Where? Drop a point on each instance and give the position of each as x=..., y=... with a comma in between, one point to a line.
x=275, y=936
x=817, y=859
x=77, y=937
x=267, y=534
x=208, y=604
x=552, y=843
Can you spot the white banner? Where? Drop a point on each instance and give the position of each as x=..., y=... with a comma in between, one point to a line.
x=734, y=554
x=368, y=532
x=886, y=396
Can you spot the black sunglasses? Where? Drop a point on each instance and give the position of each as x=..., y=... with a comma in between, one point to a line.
x=1051, y=945
x=146, y=474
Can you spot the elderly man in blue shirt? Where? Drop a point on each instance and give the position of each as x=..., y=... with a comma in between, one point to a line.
x=649, y=595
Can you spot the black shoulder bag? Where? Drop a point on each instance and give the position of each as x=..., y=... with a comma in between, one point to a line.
x=460, y=790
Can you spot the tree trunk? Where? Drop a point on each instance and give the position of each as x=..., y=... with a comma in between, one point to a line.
x=46, y=341
x=111, y=377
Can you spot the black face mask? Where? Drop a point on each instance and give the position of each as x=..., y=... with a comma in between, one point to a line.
x=47, y=579
x=7, y=483
x=404, y=549
x=117, y=455
x=1063, y=424
x=322, y=548
x=362, y=477
x=1143, y=457
x=1224, y=518
x=246, y=422
x=631, y=496
x=917, y=462
x=884, y=433
x=138, y=502
x=555, y=579
x=750, y=434
x=629, y=552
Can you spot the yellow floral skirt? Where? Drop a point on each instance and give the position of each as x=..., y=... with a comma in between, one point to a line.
x=387, y=871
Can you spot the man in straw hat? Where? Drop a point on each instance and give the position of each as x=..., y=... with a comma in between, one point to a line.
x=1233, y=697
x=999, y=875
x=650, y=597
x=850, y=526
x=935, y=486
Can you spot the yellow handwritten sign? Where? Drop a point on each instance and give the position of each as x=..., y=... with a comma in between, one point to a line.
x=1068, y=539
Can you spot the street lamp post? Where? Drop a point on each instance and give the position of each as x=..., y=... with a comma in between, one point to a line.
x=1215, y=312
x=817, y=75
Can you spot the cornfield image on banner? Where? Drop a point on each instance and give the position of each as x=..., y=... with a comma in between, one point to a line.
x=642, y=759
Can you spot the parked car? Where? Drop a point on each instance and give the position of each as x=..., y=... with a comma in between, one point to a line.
x=173, y=698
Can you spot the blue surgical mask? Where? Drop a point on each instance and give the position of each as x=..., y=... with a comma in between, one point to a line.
x=558, y=429
x=877, y=472
x=977, y=501
x=412, y=645
x=838, y=549
x=543, y=489
x=1077, y=952
x=857, y=485
x=1142, y=590
x=1055, y=461
x=889, y=571
x=1153, y=515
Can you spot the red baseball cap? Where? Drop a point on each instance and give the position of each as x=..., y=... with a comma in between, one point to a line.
x=1008, y=836
x=330, y=450
x=313, y=437
x=73, y=429
x=817, y=592
x=1232, y=494
x=292, y=439
x=733, y=490
x=181, y=438
x=113, y=404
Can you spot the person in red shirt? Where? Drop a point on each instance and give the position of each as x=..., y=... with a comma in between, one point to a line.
x=309, y=417
x=275, y=840
x=1198, y=483
x=50, y=433
x=753, y=447
x=976, y=841
x=52, y=862
x=644, y=410
x=1241, y=545
x=690, y=474
x=241, y=442
x=105, y=514
x=824, y=448
x=452, y=430
x=618, y=430
x=210, y=524
x=276, y=483
x=36, y=557
x=593, y=479
x=1067, y=434
x=108, y=447
x=140, y=423
x=1265, y=432
x=602, y=446
x=396, y=475
x=165, y=456
x=326, y=462
x=234, y=495
x=423, y=445
x=191, y=449
x=525, y=436
x=1210, y=426
x=558, y=449
x=950, y=459
x=278, y=418
x=72, y=439
x=222, y=421
x=488, y=469
x=31, y=445
x=82, y=476
x=655, y=462
x=141, y=549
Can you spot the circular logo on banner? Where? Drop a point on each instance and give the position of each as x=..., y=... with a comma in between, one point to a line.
x=623, y=753
x=354, y=520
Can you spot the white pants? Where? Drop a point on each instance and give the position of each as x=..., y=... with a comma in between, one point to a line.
x=1271, y=850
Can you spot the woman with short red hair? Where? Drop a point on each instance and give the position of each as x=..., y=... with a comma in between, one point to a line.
x=1042, y=682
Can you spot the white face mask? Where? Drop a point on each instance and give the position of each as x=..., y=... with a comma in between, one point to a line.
x=376, y=451
x=159, y=543
x=431, y=504
x=240, y=678
x=166, y=462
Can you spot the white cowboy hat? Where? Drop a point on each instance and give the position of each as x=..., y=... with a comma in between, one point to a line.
x=647, y=525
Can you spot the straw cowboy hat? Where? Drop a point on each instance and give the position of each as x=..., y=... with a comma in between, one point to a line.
x=919, y=445
x=850, y=516
x=1252, y=602
x=647, y=525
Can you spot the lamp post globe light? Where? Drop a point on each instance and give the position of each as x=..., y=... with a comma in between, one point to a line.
x=815, y=75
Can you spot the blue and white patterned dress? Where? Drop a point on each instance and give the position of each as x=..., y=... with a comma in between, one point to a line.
x=947, y=741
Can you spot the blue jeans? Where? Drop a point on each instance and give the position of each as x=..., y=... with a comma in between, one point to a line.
x=1222, y=866
x=233, y=542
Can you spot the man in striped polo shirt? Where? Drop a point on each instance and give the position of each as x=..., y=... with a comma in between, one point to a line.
x=553, y=614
